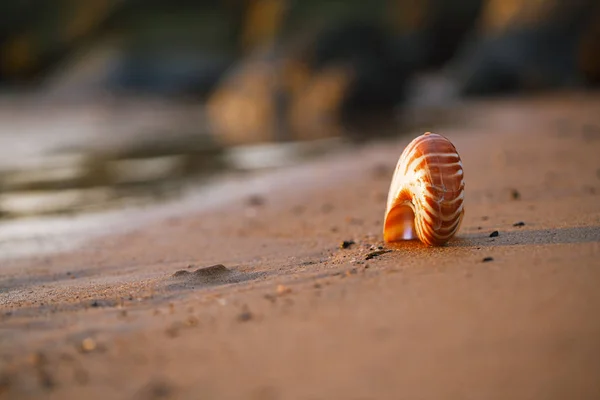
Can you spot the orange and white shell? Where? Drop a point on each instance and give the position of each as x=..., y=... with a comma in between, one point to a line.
x=426, y=195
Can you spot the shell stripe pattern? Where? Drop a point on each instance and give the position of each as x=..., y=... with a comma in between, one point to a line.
x=427, y=192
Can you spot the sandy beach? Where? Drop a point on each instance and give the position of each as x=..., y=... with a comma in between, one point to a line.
x=292, y=314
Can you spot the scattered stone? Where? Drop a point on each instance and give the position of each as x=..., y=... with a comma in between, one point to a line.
x=485, y=218
x=494, y=234
x=207, y=274
x=103, y=303
x=87, y=345
x=255, y=200
x=283, y=290
x=245, y=316
x=45, y=378
x=488, y=259
x=351, y=272
x=346, y=243
x=520, y=223
x=271, y=297
x=317, y=286
x=515, y=194
x=157, y=390
x=172, y=331
x=376, y=253
x=213, y=270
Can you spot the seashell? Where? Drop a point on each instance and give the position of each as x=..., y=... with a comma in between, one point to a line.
x=426, y=195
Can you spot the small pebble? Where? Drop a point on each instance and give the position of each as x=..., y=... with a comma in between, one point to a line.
x=346, y=243
x=181, y=273
x=255, y=200
x=494, y=234
x=520, y=223
x=87, y=345
x=515, y=194
x=244, y=316
x=376, y=253
x=282, y=290
x=488, y=259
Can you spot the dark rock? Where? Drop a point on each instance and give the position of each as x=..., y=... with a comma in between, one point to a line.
x=213, y=270
x=245, y=316
x=181, y=273
x=346, y=243
x=376, y=253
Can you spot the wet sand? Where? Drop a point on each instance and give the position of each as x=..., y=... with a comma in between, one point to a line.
x=292, y=315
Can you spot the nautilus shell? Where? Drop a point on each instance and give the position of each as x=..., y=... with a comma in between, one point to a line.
x=426, y=195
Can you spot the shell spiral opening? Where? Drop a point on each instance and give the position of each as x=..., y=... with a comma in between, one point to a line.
x=426, y=195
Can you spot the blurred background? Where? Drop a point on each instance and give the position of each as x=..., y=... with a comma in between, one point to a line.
x=112, y=102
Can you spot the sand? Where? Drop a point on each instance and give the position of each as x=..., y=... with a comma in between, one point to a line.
x=290, y=314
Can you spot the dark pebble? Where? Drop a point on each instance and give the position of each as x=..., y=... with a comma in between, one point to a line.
x=376, y=253
x=212, y=270
x=255, y=200
x=485, y=218
x=45, y=378
x=520, y=223
x=494, y=234
x=488, y=259
x=346, y=243
x=245, y=316
x=515, y=194
x=181, y=273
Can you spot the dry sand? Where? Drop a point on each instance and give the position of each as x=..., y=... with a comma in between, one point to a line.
x=294, y=316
